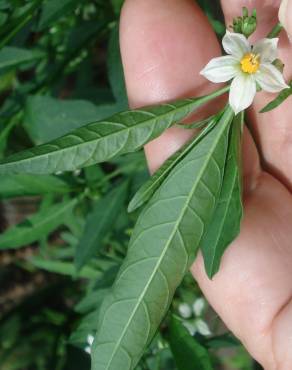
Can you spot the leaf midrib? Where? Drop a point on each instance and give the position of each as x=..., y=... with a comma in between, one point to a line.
x=166, y=246
x=68, y=148
x=223, y=218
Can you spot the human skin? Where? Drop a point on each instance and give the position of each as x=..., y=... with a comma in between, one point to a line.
x=164, y=45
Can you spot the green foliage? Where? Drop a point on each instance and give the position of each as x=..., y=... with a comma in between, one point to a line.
x=66, y=271
x=12, y=56
x=188, y=353
x=99, y=223
x=100, y=141
x=225, y=225
x=163, y=244
x=283, y=95
x=148, y=189
x=36, y=226
x=22, y=185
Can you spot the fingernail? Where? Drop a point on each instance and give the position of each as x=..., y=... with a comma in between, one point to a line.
x=285, y=16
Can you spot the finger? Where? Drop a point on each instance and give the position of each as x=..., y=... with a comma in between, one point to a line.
x=273, y=130
x=252, y=291
x=285, y=16
x=164, y=44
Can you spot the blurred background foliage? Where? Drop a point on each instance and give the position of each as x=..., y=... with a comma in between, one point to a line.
x=63, y=237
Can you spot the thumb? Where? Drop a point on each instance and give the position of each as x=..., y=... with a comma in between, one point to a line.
x=285, y=16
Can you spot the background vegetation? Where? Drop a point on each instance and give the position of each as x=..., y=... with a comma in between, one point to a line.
x=60, y=68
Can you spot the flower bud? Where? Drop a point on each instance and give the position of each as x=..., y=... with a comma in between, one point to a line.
x=249, y=25
x=246, y=24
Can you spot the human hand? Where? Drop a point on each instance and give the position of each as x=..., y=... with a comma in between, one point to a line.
x=164, y=45
x=285, y=16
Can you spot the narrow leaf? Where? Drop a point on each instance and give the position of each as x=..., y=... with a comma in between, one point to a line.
x=225, y=225
x=115, y=68
x=65, y=268
x=284, y=94
x=48, y=118
x=197, y=124
x=11, y=56
x=163, y=245
x=99, y=223
x=36, y=226
x=149, y=187
x=97, y=142
x=187, y=352
x=53, y=10
x=20, y=185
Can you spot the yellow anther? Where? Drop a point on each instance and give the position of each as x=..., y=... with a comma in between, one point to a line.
x=250, y=63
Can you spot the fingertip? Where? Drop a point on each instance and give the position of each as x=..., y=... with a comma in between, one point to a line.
x=164, y=45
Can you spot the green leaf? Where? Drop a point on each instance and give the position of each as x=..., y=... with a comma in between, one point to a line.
x=149, y=187
x=20, y=185
x=99, y=223
x=54, y=9
x=97, y=142
x=47, y=118
x=12, y=57
x=65, y=268
x=198, y=124
x=222, y=341
x=284, y=94
x=187, y=352
x=115, y=68
x=163, y=245
x=225, y=225
x=36, y=226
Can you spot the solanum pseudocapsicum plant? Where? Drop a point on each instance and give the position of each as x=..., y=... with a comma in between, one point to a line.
x=193, y=200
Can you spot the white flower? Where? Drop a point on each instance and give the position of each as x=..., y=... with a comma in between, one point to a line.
x=185, y=310
x=90, y=339
x=198, y=306
x=247, y=65
x=202, y=327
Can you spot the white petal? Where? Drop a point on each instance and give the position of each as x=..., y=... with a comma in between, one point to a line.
x=236, y=44
x=270, y=78
x=267, y=49
x=221, y=69
x=242, y=92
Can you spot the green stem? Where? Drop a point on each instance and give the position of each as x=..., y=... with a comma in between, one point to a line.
x=275, y=31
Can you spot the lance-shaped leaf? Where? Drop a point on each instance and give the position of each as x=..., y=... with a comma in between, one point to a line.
x=97, y=142
x=148, y=189
x=24, y=184
x=225, y=225
x=99, y=223
x=187, y=352
x=11, y=56
x=163, y=244
x=284, y=94
x=36, y=226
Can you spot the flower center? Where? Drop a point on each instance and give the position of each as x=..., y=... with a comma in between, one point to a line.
x=250, y=63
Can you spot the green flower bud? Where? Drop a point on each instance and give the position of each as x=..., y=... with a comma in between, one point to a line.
x=249, y=25
x=246, y=24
